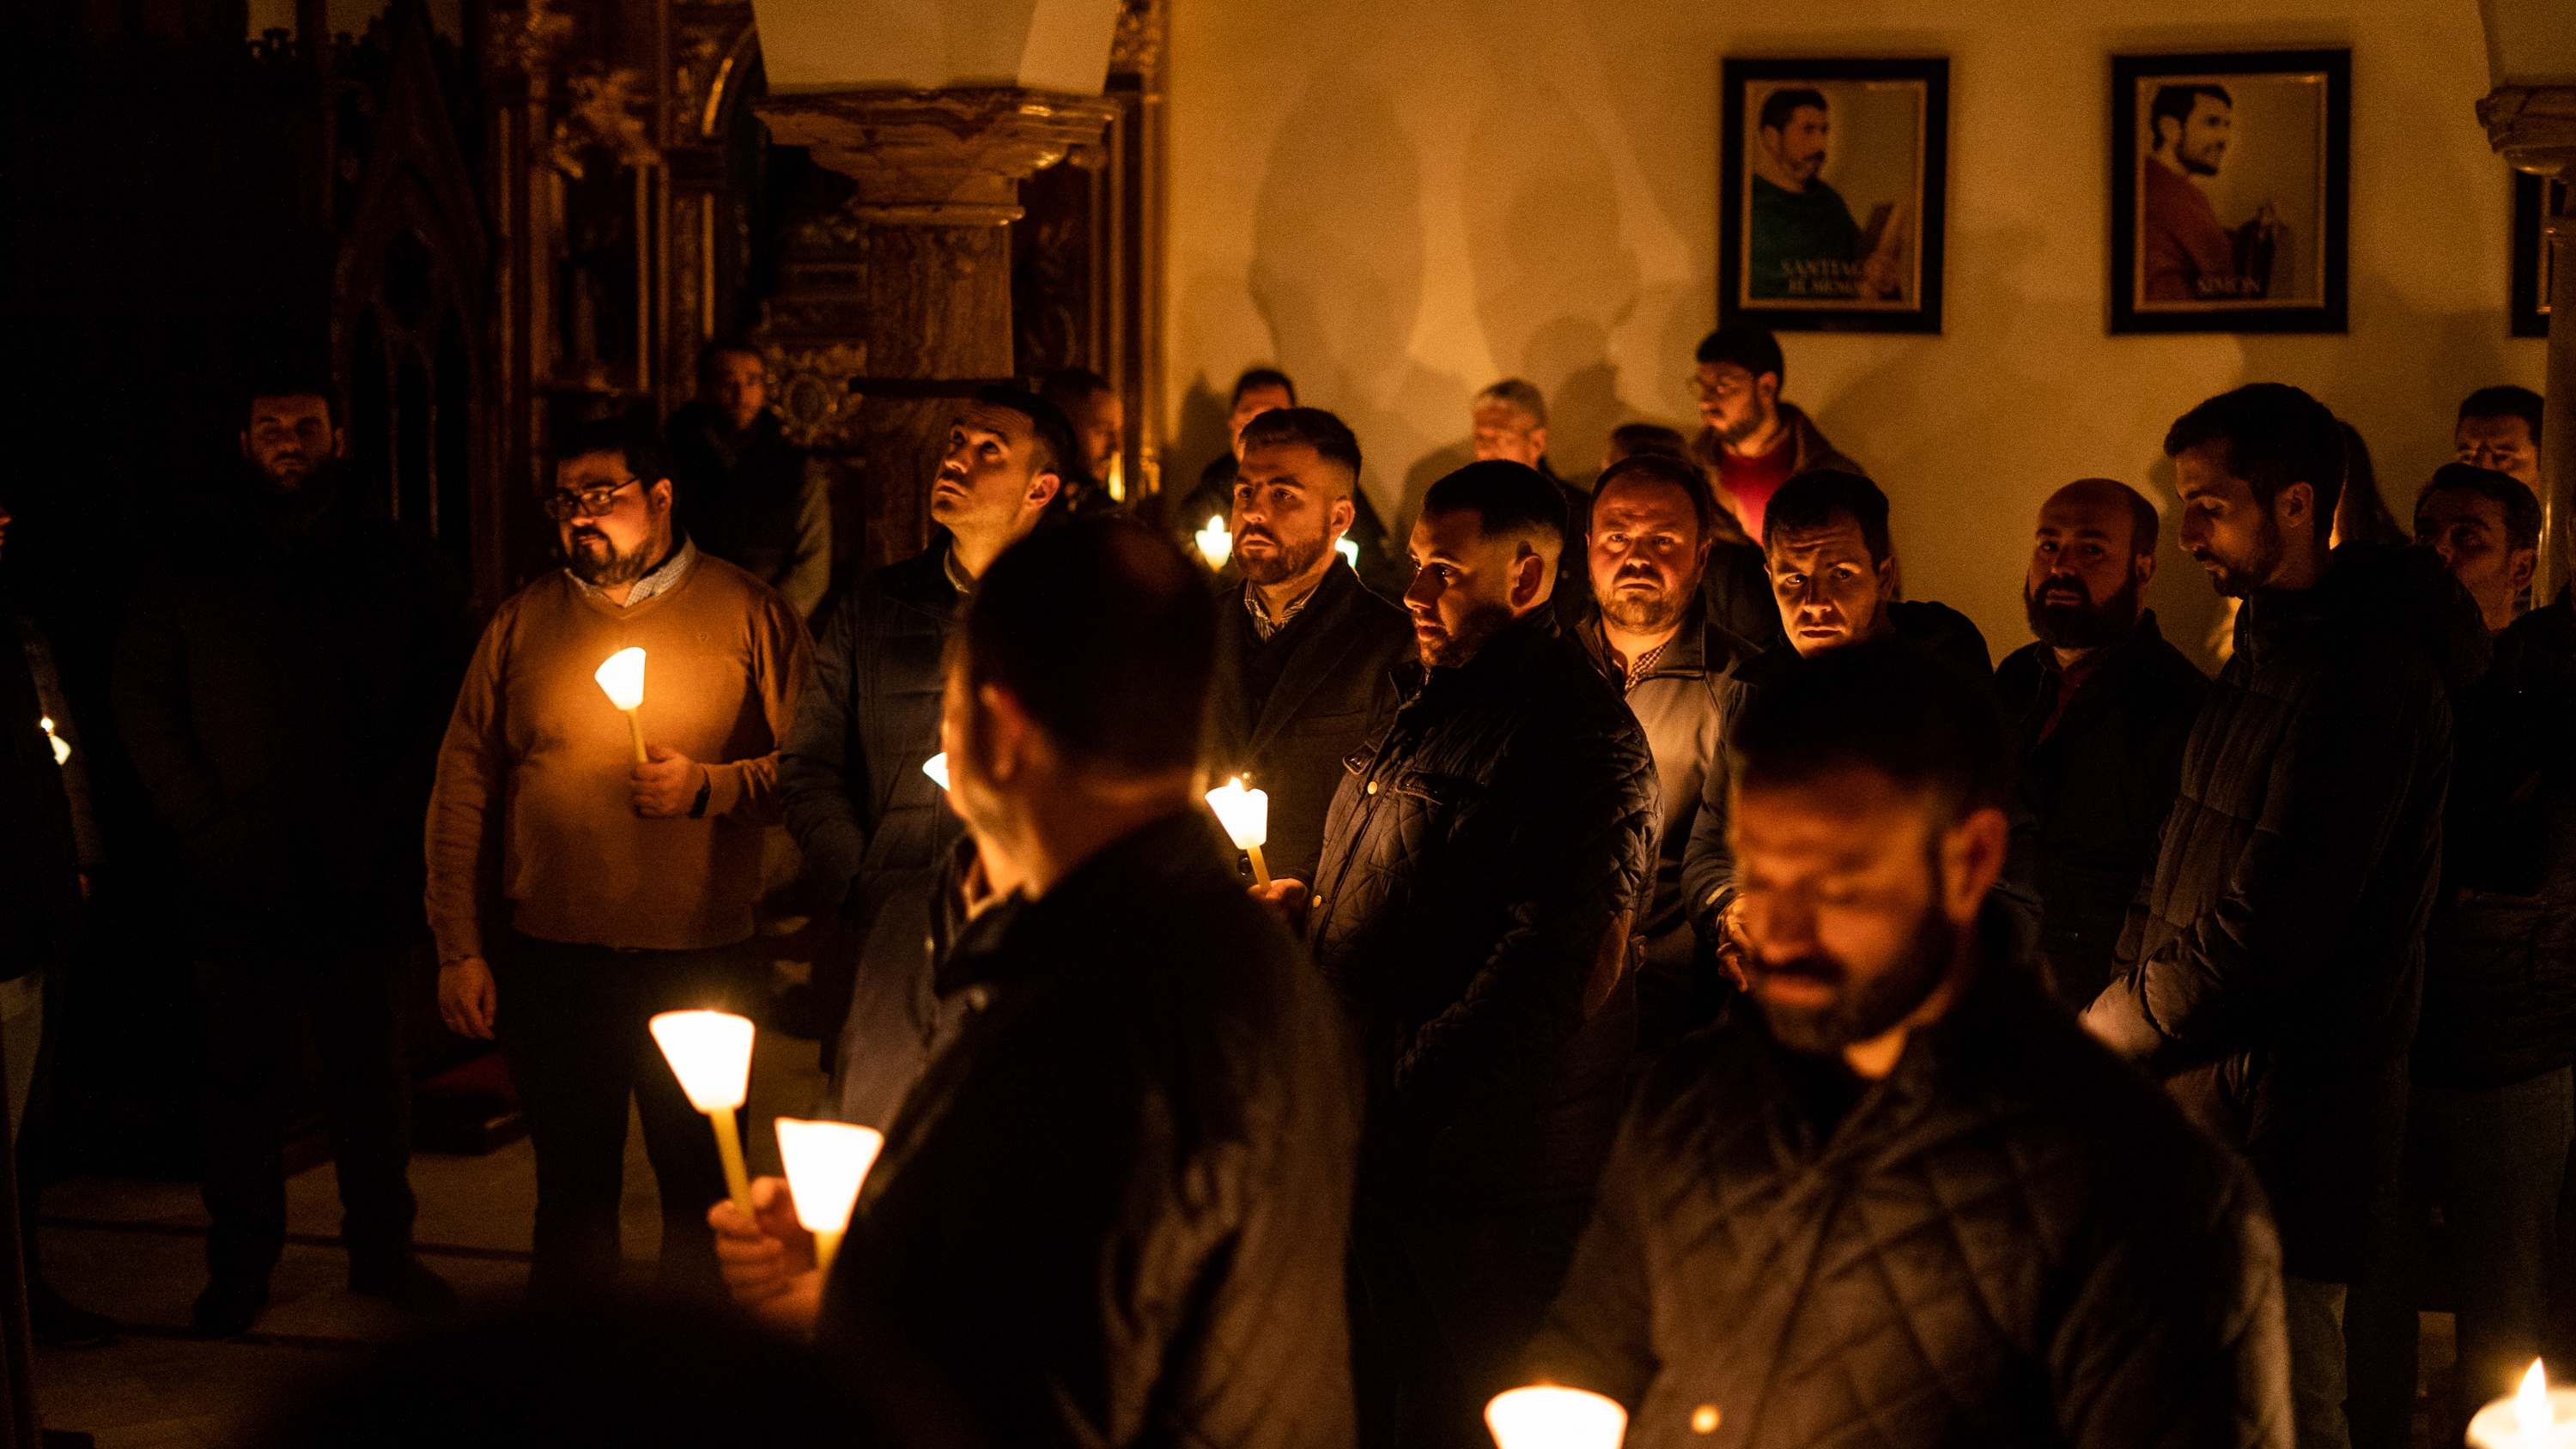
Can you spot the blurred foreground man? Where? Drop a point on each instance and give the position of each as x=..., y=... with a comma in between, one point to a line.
x=2101, y=705
x=746, y=494
x=1905, y=1201
x=1306, y=656
x=2273, y=963
x=278, y=685
x=576, y=890
x=1113, y=1211
x=2490, y=1105
x=1485, y=866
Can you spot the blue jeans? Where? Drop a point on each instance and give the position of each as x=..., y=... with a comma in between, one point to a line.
x=2492, y=1160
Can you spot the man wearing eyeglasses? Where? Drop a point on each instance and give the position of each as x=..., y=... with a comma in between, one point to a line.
x=1753, y=442
x=576, y=890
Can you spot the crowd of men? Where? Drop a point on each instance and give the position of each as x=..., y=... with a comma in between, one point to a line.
x=1687, y=968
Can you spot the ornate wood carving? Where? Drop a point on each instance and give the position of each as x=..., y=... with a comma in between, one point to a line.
x=938, y=158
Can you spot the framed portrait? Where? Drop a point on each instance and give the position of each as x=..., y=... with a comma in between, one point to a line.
x=1832, y=186
x=2229, y=181
x=2535, y=200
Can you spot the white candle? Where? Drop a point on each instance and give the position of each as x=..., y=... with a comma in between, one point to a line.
x=2533, y=1417
x=1246, y=817
x=710, y=1052
x=1544, y=1416
x=826, y=1164
x=622, y=678
x=1215, y=544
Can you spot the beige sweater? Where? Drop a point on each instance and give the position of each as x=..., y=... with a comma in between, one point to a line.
x=530, y=825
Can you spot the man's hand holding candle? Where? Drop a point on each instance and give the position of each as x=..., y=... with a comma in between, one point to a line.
x=1286, y=897
x=767, y=1258
x=665, y=784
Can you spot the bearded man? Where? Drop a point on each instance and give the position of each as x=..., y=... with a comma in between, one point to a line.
x=2101, y=705
x=1307, y=657
x=1904, y=1201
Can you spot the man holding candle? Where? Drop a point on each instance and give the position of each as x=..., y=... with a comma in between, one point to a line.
x=1485, y=865
x=575, y=890
x=1113, y=1212
x=1305, y=653
x=1903, y=1200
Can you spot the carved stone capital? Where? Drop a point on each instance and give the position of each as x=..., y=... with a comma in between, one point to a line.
x=938, y=158
x=2532, y=127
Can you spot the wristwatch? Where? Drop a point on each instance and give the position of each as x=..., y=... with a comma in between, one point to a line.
x=706, y=788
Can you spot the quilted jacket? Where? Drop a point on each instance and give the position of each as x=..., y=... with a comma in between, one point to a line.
x=1485, y=867
x=2273, y=964
x=2010, y=1240
x=1113, y=1211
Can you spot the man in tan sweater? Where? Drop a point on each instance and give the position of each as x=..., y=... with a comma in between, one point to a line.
x=575, y=890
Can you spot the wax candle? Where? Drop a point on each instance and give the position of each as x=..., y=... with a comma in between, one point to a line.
x=1246, y=817
x=1215, y=544
x=710, y=1052
x=622, y=678
x=2535, y=1416
x=826, y=1164
x=1544, y=1416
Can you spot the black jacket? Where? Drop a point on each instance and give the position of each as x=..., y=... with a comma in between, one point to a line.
x=282, y=685
x=2500, y=957
x=1381, y=563
x=2010, y=1240
x=1486, y=865
x=1738, y=589
x=849, y=774
x=2273, y=964
x=754, y=499
x=1112, y=1213
x=1286, y=711
x=2098, y=787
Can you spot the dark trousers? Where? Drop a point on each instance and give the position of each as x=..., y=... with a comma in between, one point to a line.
x=572, y=1023
x=1444, y=1303
x=248, y=1005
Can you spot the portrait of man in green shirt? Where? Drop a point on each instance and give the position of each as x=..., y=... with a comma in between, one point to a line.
x=1804, y=244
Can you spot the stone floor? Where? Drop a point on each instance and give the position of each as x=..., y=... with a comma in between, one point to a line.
x=136, y=1251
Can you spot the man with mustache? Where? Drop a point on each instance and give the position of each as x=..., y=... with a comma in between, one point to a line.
x=1804, y=241
x=1904, y=1201
x=1485, y=864
x=873, y=827
x=2102, y=705
x=1306, y=656
x=279, y=687
x=1653, y=525
x=2270, y=969
x=576, y=890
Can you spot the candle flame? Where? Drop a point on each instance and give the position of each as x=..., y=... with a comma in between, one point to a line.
x=1216, y=545
x=2531, y=1411
x=936, y=767
x=1543, y=1416
x=710, y=1052
x=1244, y=813
x=62, y=747
x=1349, y=551
x=826, y=1163
x=622, y=676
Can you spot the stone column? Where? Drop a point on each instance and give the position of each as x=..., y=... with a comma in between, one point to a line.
x=2534, y=129
x=938, y=176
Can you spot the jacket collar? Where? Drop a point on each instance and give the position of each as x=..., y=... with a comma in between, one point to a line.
x=2142, y=636
x=1685, y=655
x=1500, y=656
x=1150, y=863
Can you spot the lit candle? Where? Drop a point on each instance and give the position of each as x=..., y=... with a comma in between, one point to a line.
x=1349, y=551
x=623, y=678
x=710, y=1052
x=1246, y=816
x=936, y=767
x=62, y=747
x=826, y=1163
x=2535, y=1417
x=1543, y=1416
x=1215, y=544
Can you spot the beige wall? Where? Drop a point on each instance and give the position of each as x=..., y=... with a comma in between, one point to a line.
x=1400, y=202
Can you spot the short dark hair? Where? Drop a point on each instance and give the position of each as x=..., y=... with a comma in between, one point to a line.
x=1749, y=345
x=1262, y=377
x=718, y=347
x=1642, y=440
x=290, y=380
x=1887, y=705
x=636, y=442
x=1056, y=451
x=1810, y=501
x=1070, y=387
x=1785, y=103
x=2505, y=401
x=1328, y=435
x=2521, y=509
x=1507, y=498
x=1520, y=395
x=1102, y=631
x=2271, y=435
x=1672, y=472
x=2176, y=102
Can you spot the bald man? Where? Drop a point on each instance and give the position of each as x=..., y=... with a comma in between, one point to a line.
x=2103, y=705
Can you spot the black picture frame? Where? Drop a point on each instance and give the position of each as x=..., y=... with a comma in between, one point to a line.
x=1917, y=306
x=2139, y=304
x=2532, y=284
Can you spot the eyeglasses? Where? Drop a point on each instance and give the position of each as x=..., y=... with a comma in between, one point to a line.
x=588, y=503
x=1725, y=387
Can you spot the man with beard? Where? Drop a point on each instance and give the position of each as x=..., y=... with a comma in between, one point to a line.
x=746, y=494
x=1653, y=524
x=1098, y=417
x=1257, y=391
x=279, y=686
x=1113, y=1212
x=2102, y=705
x=873, y=827
x=1485, y=864
x=576, y=889
x=2185, y=254
x=1804, y=242
x=1905, y=1201
x=2271, y=967
x=1306, y=657
x=1751, y=441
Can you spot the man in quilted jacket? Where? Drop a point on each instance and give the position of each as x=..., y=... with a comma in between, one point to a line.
x=1486, y=868
x=1903, y=1200
x=2272, y=965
